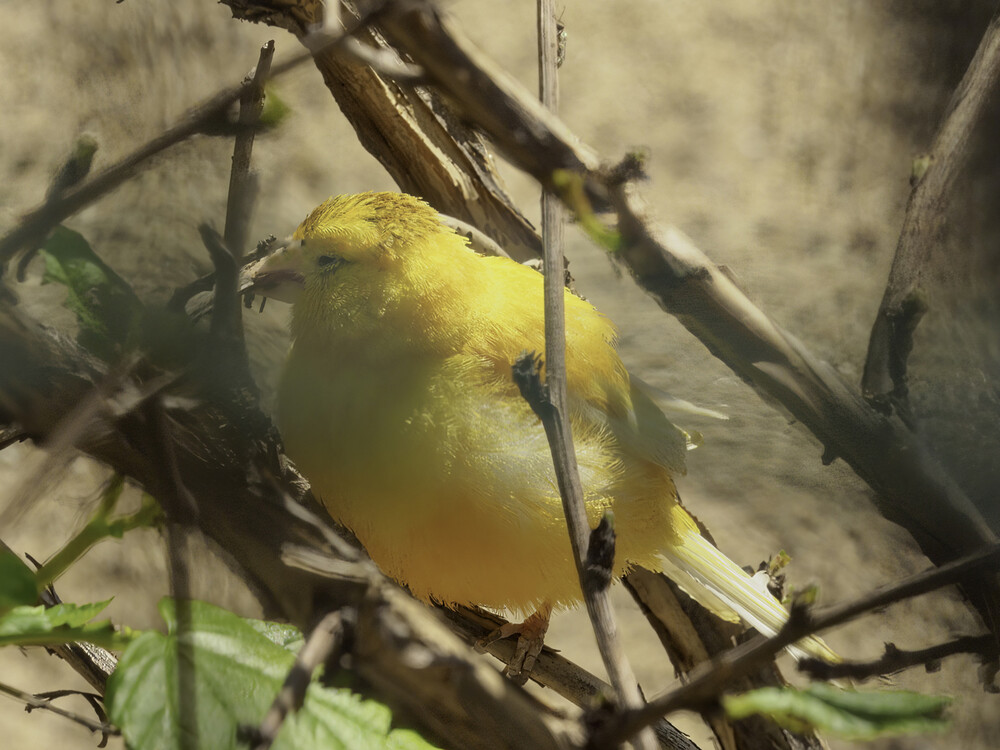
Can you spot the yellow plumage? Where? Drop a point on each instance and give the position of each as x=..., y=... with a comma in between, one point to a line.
x=397, y=403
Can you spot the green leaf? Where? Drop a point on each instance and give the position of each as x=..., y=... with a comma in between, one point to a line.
x=275, y=110
x=238, y=668
x=850, y=714
x=105, y=306
x=287, y=636
x=17, y=582
x=63, y=623
x=569, y=185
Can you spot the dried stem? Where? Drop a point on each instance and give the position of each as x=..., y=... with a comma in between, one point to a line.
x=32, y=702
x=181, y=510
x=690, y=634
x=896, y=660
x=884, y=379
x=552, y=670
x=596, y=596
x=242, y=183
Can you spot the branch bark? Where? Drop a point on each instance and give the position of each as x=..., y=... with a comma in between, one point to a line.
x=691, y=635
x=903, y=304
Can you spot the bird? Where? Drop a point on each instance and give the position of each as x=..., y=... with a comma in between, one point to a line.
x=398, y=404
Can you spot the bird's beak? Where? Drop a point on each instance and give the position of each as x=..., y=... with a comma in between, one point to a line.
x=279, y=275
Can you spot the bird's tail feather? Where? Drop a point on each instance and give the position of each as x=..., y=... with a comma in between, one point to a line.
x=724, y=588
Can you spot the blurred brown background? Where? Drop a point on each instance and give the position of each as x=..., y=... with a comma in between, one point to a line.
x=780, y=137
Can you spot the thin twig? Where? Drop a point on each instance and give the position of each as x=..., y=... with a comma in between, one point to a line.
x=74, y=169
x=708, y=681
x=95, y=701
x=896, y=660
x=242, y=182
x=690, y=634
x=227, y=318
x=180, y=299
x=884, y=380
x=557, y=425
x=34, y=702
x=323, y=645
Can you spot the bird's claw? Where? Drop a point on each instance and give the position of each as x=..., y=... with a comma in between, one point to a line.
x=530, y=640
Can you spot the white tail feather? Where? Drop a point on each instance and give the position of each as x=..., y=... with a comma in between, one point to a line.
x=724, y=588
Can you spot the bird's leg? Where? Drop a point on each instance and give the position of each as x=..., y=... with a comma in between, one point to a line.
x=530, y=639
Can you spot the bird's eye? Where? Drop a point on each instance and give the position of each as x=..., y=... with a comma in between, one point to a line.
x=326, y=261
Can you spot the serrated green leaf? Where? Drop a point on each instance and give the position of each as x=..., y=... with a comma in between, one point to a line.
x=104, y=304
x=17, y=582
x=850, y=714
x=63, y=623
x=237, y=672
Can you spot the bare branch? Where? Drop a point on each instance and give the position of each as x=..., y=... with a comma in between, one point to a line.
x=692, y=635
x=896, y=660
x=884, y=380
x=242, y=183
x=593, y=567
x=552, y=670
x=32, y=702
x=227, y=318
x=74, y=169
x=595, y=587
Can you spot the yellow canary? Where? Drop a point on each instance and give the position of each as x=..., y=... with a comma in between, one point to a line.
x=398, y=404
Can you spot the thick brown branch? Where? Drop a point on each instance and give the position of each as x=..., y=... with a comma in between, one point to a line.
x=884, y=379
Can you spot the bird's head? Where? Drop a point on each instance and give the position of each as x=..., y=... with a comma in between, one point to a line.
x=368, y=231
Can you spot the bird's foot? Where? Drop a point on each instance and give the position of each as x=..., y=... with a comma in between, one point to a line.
x=530, y=639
